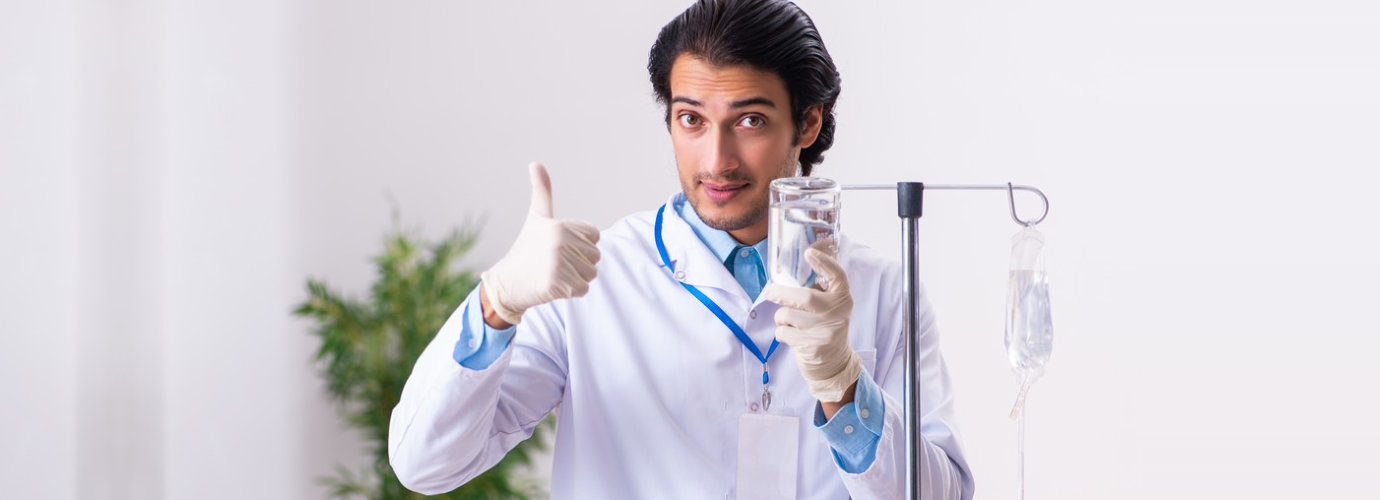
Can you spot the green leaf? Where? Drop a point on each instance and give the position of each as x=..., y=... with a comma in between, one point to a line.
x=369, y=345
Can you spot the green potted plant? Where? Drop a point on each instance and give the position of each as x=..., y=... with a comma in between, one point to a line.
x=368, y=348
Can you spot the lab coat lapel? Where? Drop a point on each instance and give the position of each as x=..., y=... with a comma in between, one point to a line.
x=690, y=256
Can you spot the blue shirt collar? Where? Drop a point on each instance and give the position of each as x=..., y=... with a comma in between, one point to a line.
x=718, y=241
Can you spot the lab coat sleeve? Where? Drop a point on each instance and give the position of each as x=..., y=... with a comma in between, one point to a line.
x=453, y=423
x=944, y=472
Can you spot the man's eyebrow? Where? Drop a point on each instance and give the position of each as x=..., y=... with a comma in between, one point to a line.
x=751, y=101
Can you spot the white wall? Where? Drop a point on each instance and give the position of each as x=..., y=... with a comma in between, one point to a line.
x=38, y=236
x=173, y=171
x=149, y=259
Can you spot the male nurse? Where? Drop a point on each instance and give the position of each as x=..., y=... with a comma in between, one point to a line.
x=674, y=368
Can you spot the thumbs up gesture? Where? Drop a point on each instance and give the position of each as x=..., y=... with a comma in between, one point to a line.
x=551, y=259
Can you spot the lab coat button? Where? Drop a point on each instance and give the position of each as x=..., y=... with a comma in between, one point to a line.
x=753, y=407
x=752, y=314
x=847, y=429
x=680, y=275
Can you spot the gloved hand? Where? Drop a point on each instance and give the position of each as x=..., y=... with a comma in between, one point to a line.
x=814, y=322
x=551, y=259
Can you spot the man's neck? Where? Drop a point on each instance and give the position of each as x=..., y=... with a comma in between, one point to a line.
x=719, y=241
x=750, y=235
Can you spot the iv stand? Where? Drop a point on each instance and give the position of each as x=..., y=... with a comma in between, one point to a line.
x=909, y=201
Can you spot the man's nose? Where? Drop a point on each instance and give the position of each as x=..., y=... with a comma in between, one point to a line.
x=722, y=156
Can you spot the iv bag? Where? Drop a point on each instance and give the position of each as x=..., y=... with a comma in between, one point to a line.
x=1029, y=327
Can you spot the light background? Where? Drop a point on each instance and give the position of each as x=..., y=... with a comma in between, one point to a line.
x=171, y=172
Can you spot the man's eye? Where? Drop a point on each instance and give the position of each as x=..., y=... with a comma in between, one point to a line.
x=752, y=121
x=689, y=120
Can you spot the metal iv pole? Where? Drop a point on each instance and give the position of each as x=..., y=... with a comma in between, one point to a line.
x=909, y=201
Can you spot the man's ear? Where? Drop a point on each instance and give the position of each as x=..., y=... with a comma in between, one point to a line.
x=810, y=125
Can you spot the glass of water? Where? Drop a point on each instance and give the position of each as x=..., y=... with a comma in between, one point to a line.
x=804, y=213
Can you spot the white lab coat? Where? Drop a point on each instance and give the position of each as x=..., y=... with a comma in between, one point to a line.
x=649, y=386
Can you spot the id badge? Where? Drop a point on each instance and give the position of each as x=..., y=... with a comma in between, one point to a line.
x=768, y=450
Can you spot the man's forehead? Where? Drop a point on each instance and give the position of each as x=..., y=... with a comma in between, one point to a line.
x=696, y=81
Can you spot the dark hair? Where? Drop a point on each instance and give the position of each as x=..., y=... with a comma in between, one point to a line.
x=767, y=35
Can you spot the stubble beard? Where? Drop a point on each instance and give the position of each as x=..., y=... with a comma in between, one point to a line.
x=758, y=206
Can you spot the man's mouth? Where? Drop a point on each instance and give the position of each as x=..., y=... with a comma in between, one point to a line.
x=722, y=192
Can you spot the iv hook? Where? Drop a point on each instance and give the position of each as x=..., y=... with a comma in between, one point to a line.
x=1011, y=197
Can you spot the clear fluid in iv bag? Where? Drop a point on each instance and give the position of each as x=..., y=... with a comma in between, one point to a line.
x=796, y=226
x=1029, y=327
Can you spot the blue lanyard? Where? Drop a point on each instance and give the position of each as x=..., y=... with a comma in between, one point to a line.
x=714, y=308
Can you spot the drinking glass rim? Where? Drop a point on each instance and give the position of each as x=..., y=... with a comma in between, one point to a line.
x=802, y=185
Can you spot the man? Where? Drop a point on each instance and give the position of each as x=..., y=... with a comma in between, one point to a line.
x=654, y=340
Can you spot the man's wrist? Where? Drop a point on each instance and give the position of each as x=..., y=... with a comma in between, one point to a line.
x=491, y=318
x=832, y=407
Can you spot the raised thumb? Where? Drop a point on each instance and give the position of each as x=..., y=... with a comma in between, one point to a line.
x=541, y=190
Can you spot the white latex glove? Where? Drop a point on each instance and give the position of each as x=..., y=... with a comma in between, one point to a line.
x=551, y=259
x=814, y=322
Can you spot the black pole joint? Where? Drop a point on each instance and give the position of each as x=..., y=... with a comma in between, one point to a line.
x=909, y=199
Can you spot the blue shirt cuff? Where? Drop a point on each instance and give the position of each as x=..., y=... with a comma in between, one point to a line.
x=855, y=431
x=480, y=345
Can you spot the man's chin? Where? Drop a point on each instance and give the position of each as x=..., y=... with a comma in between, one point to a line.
x=723, y=218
